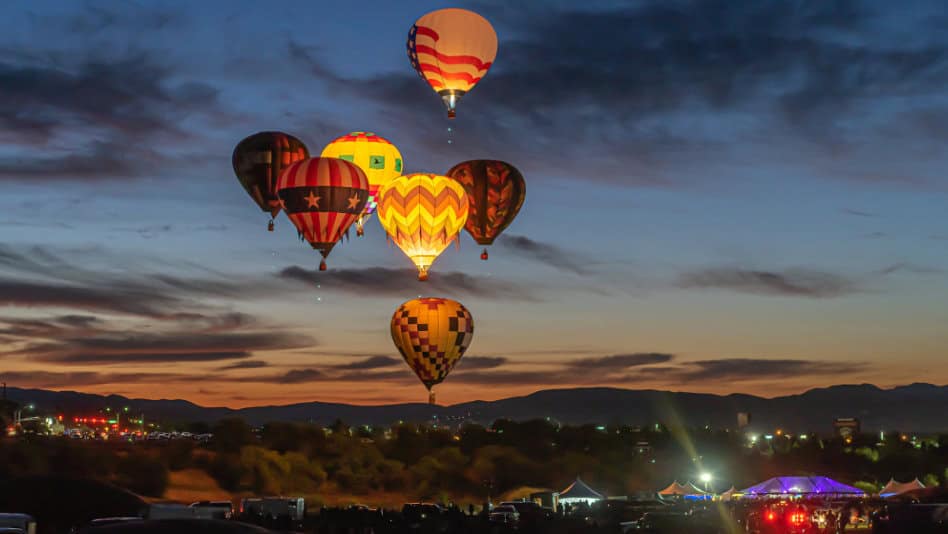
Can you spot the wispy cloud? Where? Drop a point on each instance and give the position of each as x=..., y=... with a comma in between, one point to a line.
x=482, y=362
x=372, y=362
x=747, y=369
x=858, y=213
x=246, y=364
x=119, y=101
x=63, y=380
x=910, y=268
x=620, y=361
x=540, y=252
x=789, y=283
x=394, y=282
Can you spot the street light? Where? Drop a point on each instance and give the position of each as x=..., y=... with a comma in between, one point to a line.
x=706, y=478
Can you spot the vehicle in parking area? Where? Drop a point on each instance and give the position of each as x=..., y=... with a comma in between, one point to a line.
x=623, y=513
x=17, y=523
x=170, y=511
x=102, y=521
x=505, y=514
x=273, y=512
x=529, y=510
x=214, y=509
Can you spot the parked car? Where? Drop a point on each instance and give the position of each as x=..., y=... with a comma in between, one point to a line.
x=18, y=523
x=273, y=512
x=529, y=510
x=102, y=521
x=214, y=509
x=506, y=514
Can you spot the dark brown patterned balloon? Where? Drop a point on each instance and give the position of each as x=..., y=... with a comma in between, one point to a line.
x=258, y=161
x=495, y=191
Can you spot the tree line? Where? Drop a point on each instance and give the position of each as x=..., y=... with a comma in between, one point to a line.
x=471, y=462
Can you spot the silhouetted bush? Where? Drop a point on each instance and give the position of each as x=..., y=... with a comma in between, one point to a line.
x=142, y=474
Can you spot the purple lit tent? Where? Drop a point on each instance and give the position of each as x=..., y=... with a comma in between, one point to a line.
x=811, y=486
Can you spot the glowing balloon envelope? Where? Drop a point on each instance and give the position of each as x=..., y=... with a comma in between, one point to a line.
x=376, y=156
x=422, y=213
x=323, y=197
x=432, y=334
x=452, y=49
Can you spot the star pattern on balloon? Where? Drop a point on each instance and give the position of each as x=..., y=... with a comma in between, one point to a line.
x=312, y=200
x=353, y=202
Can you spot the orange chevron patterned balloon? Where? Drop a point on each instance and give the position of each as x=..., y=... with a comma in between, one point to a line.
x=432, y=334
x=423, y=214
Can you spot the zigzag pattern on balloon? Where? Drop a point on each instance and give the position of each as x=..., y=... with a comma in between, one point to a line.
x=423, y=213
x=409, y=208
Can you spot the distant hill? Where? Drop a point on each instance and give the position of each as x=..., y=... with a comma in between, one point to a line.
x=911, y=408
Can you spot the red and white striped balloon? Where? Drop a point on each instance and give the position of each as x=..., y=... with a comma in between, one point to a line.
x=323, y=197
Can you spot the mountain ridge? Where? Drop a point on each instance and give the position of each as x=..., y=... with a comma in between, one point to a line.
x=912, y=408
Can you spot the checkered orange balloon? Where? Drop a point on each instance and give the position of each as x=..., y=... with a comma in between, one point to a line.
x=432, y=334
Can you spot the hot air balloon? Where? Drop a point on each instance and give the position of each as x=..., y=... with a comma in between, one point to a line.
x=495, y=191
x=452, y=49
x=323, y=197
x=423, y=214
x=258, y=161
x=432, y=334
x=375, y=155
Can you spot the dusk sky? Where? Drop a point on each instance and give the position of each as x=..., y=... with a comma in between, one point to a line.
x=722, y=196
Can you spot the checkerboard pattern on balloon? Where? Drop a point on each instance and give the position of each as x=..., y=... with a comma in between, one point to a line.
x=432, y=335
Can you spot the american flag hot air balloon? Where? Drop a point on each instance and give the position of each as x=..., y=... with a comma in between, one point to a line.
x=323, y=197
x=452, y=49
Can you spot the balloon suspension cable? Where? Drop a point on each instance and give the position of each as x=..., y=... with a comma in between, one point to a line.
x=431, y=397
x=270, y=226
x=322, y=265
x=484, y=254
